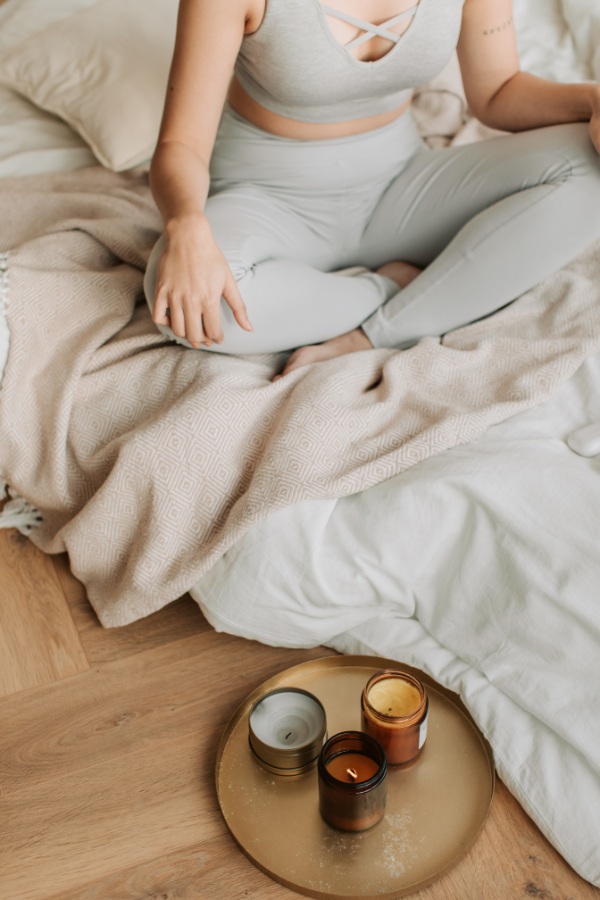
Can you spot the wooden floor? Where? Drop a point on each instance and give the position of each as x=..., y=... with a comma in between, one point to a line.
x=107, y=750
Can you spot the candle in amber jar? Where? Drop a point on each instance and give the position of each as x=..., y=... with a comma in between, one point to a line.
x=352, y=767
x=352, y=781
x=395, y=697
x=394, y=707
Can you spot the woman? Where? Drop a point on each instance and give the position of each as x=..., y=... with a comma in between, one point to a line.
x=315, y=165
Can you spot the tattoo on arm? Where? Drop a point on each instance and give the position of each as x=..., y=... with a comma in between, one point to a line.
x=502, y=27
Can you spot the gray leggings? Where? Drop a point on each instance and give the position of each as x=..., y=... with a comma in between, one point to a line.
x=486, y=222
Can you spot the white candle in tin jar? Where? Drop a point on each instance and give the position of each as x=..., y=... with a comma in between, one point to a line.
x=287, y=719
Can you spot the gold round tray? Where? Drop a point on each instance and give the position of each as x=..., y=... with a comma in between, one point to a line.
x=435, y=808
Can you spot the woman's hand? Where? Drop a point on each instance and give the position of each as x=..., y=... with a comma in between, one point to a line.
x=192, y=277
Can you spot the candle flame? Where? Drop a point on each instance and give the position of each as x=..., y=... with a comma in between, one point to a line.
x=352, y=773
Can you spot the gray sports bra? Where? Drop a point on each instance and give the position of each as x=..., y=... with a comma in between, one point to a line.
x=294, y=66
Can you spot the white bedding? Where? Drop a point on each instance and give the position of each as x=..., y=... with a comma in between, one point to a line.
x=480, y=565
x=559, y=39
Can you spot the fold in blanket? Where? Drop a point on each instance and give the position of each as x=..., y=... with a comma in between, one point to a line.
x=147, y=461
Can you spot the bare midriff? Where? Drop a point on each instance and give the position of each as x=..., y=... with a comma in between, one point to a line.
x=269, y=121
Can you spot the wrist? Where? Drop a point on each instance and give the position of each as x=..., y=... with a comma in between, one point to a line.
x=190, y=221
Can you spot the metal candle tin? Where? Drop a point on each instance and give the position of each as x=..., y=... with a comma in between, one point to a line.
x=287, y=730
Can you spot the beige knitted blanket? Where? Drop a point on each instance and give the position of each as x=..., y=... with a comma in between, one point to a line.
x=147, y=460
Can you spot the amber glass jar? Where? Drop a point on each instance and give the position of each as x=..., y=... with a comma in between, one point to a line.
x=352, y=781
x=394, y=709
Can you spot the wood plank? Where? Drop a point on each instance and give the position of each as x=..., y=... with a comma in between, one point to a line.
x=518, y=860
x=215, y=870
x=511, y=859
x=104, y=818
x=39, y=643
x=172, y=623
x=130, y=705
x=152, y=791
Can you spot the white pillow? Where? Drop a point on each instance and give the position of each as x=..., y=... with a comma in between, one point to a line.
x=20, y=19
x=103, y=70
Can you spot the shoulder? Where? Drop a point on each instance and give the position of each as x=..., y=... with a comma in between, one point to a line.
x=224, y=10
x=496, y=13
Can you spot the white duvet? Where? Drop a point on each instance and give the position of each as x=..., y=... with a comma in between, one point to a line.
x=480, y=565
x=559, y=39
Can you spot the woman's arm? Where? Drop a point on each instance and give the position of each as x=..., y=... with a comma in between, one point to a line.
x=502, y=96
x=193, y=273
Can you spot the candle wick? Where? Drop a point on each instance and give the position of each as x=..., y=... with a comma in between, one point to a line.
x=352, y=773
x=287, y=736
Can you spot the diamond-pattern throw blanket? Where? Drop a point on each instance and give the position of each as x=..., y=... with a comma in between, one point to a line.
x=147, y=461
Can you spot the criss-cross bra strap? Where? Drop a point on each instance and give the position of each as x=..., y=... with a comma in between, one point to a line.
x=368, y=27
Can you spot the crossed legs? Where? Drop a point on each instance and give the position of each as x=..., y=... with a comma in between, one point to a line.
x=485, y=222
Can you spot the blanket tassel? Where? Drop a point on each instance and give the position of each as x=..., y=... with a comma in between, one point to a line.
x=18, y=513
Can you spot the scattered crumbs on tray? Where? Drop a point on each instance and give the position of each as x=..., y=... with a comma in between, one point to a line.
x=341, y=842
x=398, y=850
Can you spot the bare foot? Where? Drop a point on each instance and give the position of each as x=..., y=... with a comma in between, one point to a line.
x=400, y=272
x=338, y=346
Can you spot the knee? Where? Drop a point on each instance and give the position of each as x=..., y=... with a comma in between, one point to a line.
x=584, y=179
x=580, y=158
x=235, y=217
x=569, y=162
x=227, y=319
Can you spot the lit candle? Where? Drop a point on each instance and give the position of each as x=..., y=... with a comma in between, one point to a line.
x=287, y=731
x=353, y=768
x=352, y=781
x=395, y=707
